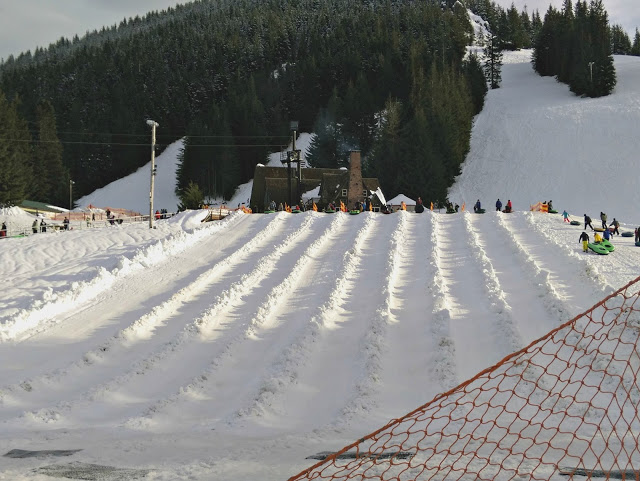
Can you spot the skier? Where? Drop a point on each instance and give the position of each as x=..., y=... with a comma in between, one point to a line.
x=616, y=225
x=565, y=216
x=587, y=222
x=603, y=218
x=498, y=205
x=584, y=238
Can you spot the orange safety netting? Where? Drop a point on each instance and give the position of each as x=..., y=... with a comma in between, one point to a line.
x=567, y=404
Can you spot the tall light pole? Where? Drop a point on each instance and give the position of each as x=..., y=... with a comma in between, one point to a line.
x=591, y=70
x=153, y=126
x=71, y=182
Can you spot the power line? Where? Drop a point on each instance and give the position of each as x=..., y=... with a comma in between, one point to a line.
x=146, y=144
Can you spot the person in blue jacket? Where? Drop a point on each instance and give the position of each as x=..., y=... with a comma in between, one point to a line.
x=498, y=205
x=477, y=207
x=607, y=234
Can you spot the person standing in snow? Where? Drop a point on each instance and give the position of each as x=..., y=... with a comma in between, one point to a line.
x=565, y=216
x=616, y=225
x=65, y=223
x=477, y=207
x=637, y=234
x=498, y=205
x=607, y=234
x=3, y=230
x=584, y=238
x=34, y=226
x=587, y=222
x=603, y=218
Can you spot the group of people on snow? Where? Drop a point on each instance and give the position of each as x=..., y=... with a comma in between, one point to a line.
x=508, y=208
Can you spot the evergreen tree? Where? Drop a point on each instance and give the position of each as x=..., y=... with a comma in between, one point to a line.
x=620, y=41
x=493, y=61
x=191, y=198
x=15, y=154
x=50, y=179
x=477, y=81
x=635, y=49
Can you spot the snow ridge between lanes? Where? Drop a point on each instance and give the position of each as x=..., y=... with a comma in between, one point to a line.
x=286, y=368
x=373, y=343
x=496, y=295
x=195, y=328
x=43, y=312
x=265, y=310
x=143, y=327
x=445, y=362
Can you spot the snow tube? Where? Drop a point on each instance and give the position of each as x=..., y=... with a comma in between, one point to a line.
x=598, y=229
x=607, y=245
x=295, y=211
x=269, y=211
x=574, y=222
x=419, y=208
x=638, y=243
x=480, y=211
x=354, y=212
x=553, y=211
x=330, y=211
x=627, y=234
x=598, y=249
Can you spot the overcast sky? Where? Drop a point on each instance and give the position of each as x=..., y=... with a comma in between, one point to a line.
x=27, y=24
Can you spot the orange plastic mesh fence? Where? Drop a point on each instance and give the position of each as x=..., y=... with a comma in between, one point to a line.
x=567, y=403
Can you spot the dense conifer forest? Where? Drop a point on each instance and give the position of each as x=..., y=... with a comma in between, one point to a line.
x=387, y=77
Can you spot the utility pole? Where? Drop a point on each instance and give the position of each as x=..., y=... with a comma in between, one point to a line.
x=291, y=157
x=153, y=126
x=71, y=182
x=591, y=70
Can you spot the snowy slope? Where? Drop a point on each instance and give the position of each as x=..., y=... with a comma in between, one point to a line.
x=233, y=350
x=536, y=141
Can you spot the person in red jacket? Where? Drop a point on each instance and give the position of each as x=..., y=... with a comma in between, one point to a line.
x=509, y=206
x=157, y=214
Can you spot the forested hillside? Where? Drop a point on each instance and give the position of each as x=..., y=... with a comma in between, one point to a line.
x=231, y=75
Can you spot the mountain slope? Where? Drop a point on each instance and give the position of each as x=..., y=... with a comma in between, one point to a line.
x=536, y=141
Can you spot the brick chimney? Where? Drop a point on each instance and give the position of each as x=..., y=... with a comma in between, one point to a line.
x=356, y=185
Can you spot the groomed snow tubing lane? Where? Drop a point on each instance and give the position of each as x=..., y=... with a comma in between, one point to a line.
x=598, y=249
x=574, y=222
x=627, y=234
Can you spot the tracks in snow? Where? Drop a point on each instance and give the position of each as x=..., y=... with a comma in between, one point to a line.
x=288, y=290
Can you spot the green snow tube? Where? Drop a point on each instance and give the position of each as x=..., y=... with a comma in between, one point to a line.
x=354, y=212
x=627, y=233
x=607, y=245
x=574, y=222
x=269, y=211
x=330, y=211
x=598, y=249
x=295, y=211
x=638, y=243
x=480, y=211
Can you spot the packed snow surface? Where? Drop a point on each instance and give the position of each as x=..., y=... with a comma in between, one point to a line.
x=232, y=350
